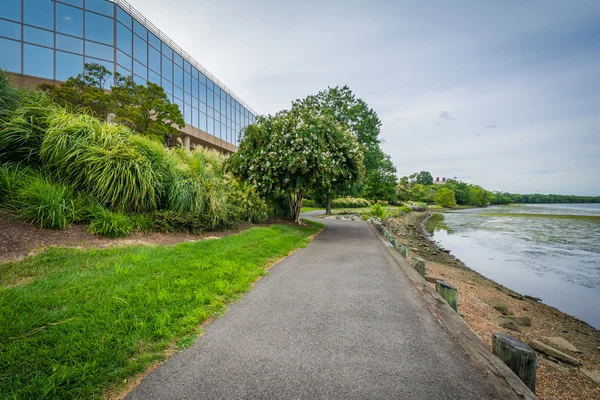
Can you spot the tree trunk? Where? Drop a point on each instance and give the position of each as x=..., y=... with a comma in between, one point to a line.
x=328, y=209
x=295, y=203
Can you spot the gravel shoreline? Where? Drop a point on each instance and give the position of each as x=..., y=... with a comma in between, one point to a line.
x=489, y=307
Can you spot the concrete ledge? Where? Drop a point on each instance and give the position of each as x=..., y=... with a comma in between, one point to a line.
x=497, y=374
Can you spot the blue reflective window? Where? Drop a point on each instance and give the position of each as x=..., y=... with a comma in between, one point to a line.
x=166, y=50
x=195, y=74
x=10, y=55
x=202, y=121
x=203, y=93
x=178, y=76
x=140, y=70
x=39, y=13
x=99, y=28
x=177, y=59
x=203, y=79
x=187, y=115
x=139, y=80
x=101, y=6
x=76, y=3
x=97, y=50
x=68, y=65
x=108, y=65
x=124, y=60
x=224, y=135
x=178, y=92
x=210, y=124
x=69, y=43
x=154, y=77
x=195, y=123
x=38, y=61
x=210, y=98
x=11, y=9
x=140, y=50
x=38, y=36
x=217, y=129
x=69, y=20
x=123, y=71
x=124, y=18
x=202, y=108
x=139, y=30
x=223, y=106
x=154, y=41
x=187, y=67
x=10, y=29
x=154, y=59
x=217, y=90
x=179, y=103
x=210, y=85
x=187, y=82
x=168, y=86
x=124, y=40
x=217, y=104
x=167, y=68
x=195, y=87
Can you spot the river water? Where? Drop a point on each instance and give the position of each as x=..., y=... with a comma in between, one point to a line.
x=550, y=251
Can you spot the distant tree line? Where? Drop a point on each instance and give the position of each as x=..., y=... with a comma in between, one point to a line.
x=508, y=198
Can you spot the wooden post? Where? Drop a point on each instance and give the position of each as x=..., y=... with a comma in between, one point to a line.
x=420, y=266
x=519, y=357
x=448, y=292
x=403, y=251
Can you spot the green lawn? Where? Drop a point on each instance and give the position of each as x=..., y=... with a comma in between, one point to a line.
x=307, y=209
x=76, y=323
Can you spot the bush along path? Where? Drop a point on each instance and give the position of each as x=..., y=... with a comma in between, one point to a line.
x=77, y=323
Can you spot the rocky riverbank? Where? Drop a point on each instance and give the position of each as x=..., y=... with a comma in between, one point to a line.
x=489, y=307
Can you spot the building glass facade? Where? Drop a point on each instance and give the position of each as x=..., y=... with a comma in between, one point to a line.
x=53, y=39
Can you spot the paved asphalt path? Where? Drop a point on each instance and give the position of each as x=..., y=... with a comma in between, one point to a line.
x=336, y=320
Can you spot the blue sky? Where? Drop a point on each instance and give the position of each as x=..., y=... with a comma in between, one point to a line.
x=505, y=94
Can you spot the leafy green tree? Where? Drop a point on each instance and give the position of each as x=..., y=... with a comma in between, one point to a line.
x=445, y=198
x=424, y=178
x=417, y=192
x=296, y=151
x=380, y=183
x=356, y=116
x=144, y=108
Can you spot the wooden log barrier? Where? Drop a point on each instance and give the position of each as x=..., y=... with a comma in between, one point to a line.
x=419, y=266
x=519, y=357
x=448, y=292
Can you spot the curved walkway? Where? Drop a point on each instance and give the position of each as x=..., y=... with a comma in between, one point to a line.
x=336, y=320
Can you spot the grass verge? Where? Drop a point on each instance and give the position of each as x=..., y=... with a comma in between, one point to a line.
x=77, y=323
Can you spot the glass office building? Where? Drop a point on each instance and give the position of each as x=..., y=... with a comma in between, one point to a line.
x=52, y=39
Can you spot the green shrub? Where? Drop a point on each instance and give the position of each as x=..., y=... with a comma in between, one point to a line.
x=142, y=222
x=308, y=203
x=404, y=210
x=377, y=211
x=11, y=178
x=349, y=202
x=383, y=202
x=171, y=221
x=100, y=159
x=9, y=96
x=22, y=135
x=45, y=203
x=110, y=224
x=249, y=206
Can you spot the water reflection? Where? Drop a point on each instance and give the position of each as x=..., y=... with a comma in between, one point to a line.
x=557, y=259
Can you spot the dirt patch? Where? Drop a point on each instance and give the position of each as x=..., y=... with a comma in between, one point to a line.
x=483, y=304
x=20, y=239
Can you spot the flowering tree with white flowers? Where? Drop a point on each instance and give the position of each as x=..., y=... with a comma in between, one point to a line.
x=295, y=151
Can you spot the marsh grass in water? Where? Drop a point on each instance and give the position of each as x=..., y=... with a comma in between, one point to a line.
x=77, y=323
